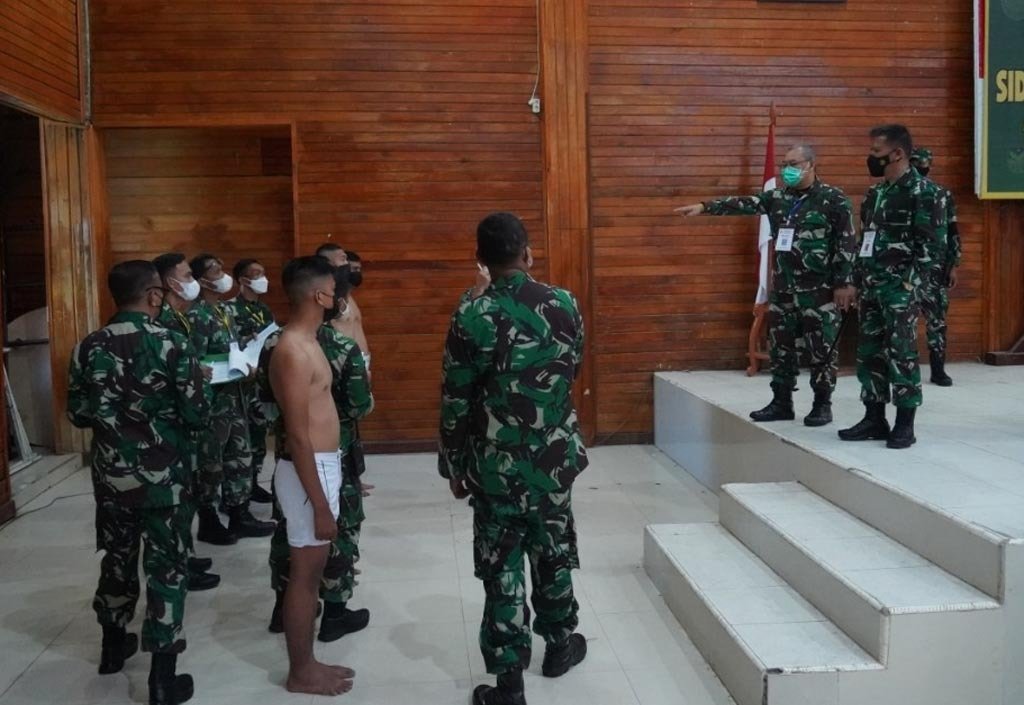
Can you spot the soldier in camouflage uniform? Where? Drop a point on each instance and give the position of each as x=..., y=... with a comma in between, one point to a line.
x=815, y=246
x=225, y=459
x=945, y=257
x=138, y=387
x=251, y=317
x=510, y=438
x=901, y=217
x=180, y=289
x=353, y=399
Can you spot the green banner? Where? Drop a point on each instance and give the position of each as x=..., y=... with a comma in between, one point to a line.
x=1002, y=125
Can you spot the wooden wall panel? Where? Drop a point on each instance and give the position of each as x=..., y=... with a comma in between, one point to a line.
x=226, y=191
x=411, y=124
x=70, y=266
x=679, y=101
x=39, y=57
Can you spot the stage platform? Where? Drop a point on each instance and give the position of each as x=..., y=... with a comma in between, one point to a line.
x=848, y=573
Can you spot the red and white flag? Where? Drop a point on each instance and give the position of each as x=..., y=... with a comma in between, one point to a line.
x=764, y=236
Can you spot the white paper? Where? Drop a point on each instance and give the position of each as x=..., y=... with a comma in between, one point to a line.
x=222, y=372
x=867, y=245
x=784, y=242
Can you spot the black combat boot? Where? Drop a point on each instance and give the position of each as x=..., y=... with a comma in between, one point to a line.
x=260, y=495
x=199, y=565
x=199, y=581
x=902, y=435
x=245, y=525
x=821, y=411
x=509, y=691
x=338, y=621
x=559, y=658
x=118, y=647
x=211, y=530
x=780, y=408
x=873, y=427
x=939, y=376
x=166, y=687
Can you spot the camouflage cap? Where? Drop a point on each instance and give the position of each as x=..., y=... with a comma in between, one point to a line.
x=921, y=154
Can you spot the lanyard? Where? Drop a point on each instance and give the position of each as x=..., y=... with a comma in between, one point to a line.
x=183, y=321
x=257, y=314
x=795, y=209
x=223, y=318
x=883, y=191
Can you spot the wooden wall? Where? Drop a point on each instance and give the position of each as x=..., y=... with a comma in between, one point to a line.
x=39, y=57
x=226, y=191
x=679, y=101
x=411, y=124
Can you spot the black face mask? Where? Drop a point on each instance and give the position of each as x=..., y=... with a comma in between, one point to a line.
x=923, y=170
x=341, y=284
x=876, y=165
x=355, y=278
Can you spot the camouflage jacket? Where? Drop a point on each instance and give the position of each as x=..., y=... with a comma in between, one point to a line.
x=350, y=385
x=947, y=253
x=824, y=244
x=508, y=424
x=251, y=317
x=908, y=217
x=140, y=389
x=213, y=331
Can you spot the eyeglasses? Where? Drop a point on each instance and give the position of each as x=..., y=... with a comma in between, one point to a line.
x=794, y=163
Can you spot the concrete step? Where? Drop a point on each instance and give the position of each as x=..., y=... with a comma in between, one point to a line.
x=767, y=644
x=864, y=581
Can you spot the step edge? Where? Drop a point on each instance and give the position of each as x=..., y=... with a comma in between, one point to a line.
x=984, y=601
x=702, y=595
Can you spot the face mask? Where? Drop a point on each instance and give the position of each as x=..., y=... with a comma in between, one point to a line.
x=355, y=278
x=792, y=175
x=259, y=286
x=224, y=284
x=189, y=290
x=923, y=170
x=336, y=310
x=876, y=165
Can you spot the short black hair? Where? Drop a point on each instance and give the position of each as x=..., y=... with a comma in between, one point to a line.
x=327, y=248
x=501, y=239
x=342, y=283
x=166, y=263
x=301, y=274
x=353, y=256
x=129, y=281
x=241, y=266
x=896, y=135
x=201, y=264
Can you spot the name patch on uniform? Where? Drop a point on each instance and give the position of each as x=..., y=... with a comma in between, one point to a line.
x=867, y=245
x=784, y=242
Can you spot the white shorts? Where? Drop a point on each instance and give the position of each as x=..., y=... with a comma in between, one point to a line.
x=294, y=502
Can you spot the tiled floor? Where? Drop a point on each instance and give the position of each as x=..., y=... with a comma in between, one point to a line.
x=417, y=580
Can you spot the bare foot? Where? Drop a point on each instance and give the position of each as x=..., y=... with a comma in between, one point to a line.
x=356, y=571
x=317, y=679
x=343, y=671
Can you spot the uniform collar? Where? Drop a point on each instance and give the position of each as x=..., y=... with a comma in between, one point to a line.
x=131, y=317
x=815, y=185
x=514, y=278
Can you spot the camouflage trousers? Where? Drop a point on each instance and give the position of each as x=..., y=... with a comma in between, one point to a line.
x=225, y=459
x=540, y=527
x=258, y=429
x=166, y=535
x=338, y=581
x=934, y=305
x=887, y=348
x=810, y=318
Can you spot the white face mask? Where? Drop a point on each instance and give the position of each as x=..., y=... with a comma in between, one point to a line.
x=224, y=284
x=189, y=290
x=259, y=286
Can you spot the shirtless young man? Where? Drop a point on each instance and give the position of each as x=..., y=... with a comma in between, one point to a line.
x=308, y=475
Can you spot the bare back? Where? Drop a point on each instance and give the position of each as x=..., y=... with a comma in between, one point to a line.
x=299, y=360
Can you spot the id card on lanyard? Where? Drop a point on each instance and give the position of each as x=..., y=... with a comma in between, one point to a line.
x=867, y=243
x=784, y=240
